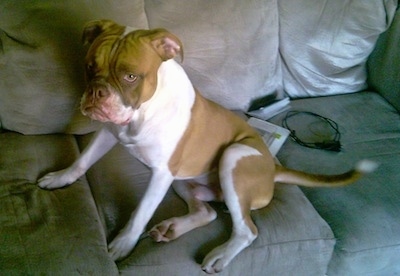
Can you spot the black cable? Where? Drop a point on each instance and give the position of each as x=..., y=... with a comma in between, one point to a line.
x=331, y=145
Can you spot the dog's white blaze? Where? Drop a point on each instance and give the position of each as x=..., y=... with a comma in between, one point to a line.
x=158, y=125
x=242, y=235
x=228, y=163
x=127, y=30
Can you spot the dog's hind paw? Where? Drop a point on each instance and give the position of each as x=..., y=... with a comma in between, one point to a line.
x=216, y=260
x=167, y=230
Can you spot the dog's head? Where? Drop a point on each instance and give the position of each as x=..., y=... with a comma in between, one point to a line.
x=121, y=68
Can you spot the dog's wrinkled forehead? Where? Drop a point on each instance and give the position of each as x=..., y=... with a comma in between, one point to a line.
x=103, y=47
x=126, y=32
x=125, y=61
x=105, y=37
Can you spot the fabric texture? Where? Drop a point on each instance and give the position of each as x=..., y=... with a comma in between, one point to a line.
x=231, y=47
x=289, y=226
x=365, y=216
x=232, y=56
x=47, y=232
x=324, y=45
x=384, y=64
x=41, y=60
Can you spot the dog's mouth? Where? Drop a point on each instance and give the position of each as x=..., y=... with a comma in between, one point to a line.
x=106, y=109
x=126, y=122
x=95, y=114
x=98, y=114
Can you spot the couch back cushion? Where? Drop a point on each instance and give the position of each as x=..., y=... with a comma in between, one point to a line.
x=324, y=45
x=41, y=60
x=231, y=46
x=384, y=64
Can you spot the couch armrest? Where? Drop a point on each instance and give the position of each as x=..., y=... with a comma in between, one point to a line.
x=384, y=64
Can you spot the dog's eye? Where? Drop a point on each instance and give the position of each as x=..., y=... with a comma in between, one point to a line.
x=90, y=72
x=130, y=77
x=89, y=67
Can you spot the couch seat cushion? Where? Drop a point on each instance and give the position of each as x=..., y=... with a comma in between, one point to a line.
x=365, y=216
x=289, y=226
x=46, y=232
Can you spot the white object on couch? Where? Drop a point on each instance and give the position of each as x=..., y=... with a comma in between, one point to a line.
x=324, y=45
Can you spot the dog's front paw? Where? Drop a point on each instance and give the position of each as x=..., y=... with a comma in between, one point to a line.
x=121, y=246
x=57, y=179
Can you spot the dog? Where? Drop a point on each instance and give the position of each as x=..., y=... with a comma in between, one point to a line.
x=148, y=104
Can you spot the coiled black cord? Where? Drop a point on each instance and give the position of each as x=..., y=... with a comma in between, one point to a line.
x=331, y=145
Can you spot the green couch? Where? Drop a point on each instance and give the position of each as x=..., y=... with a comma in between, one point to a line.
x=317, y=52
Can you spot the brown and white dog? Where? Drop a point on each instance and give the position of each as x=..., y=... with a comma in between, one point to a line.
x=148, y=104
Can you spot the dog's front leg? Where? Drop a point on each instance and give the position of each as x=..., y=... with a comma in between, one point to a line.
x=126, y=240
x=101, y=143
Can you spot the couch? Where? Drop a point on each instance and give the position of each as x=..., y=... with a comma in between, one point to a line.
x=339, y=59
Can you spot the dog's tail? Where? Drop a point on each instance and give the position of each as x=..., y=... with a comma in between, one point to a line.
x=289, y=176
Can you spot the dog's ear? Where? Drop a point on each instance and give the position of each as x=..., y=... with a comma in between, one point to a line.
x=166, y=44
x=93, y=29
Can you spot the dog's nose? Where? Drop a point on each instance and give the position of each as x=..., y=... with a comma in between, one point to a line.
x=98, y=92
x=93, y=96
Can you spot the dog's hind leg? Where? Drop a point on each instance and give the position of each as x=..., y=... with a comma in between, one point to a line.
x=246, y=178
x=200, y=213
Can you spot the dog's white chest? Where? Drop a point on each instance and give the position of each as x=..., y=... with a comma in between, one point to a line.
x=145, y=145
x=159, y=124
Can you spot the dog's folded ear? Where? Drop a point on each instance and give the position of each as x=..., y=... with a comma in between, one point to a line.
x=93, y=29
x=166, y=44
